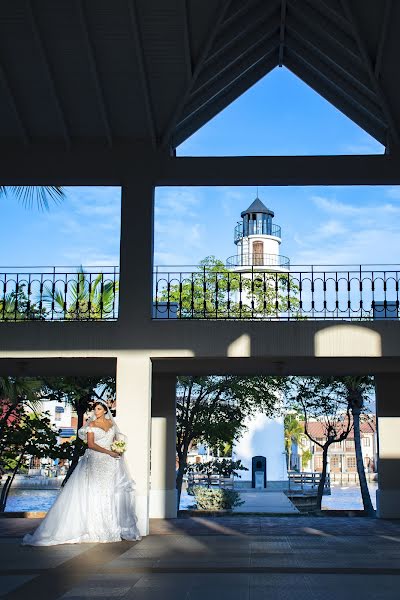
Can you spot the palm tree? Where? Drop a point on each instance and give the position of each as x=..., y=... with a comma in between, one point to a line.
x=41, y=195
x=356, y=390
x=293, y=433
x=85, y=298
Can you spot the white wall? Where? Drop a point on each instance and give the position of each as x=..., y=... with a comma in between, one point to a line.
x=264, y=437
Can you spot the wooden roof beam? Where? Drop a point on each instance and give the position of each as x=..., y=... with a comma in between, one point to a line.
x=225, y=96
x=196, y=71
x=282, y=32
x=12, y=101
x=238, y=68
x=90, y=52
x=49, y=73
x=348, y=11
x=137, y=36
x=260, y=17
x=382, y=38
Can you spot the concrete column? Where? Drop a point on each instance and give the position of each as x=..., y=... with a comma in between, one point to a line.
x=133, y=417
x=136, y=251
x=388, y=420
x=163, y=447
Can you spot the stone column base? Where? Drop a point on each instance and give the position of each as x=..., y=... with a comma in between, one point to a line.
x=388, y=504
x=163, y=504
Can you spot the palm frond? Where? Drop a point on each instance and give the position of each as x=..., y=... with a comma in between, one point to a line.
x=29, y=195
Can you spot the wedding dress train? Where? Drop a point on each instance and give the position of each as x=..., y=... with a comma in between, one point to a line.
x=96, y=504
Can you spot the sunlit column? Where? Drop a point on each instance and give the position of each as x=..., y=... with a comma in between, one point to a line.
x=133, y=417
x=388, y=422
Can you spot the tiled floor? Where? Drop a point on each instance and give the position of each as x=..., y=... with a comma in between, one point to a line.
x=235, y=558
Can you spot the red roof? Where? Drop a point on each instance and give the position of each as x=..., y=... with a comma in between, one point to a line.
x=317, y=429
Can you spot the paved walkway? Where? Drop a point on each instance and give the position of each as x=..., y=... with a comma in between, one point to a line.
x=260, y=501
x=235, y=558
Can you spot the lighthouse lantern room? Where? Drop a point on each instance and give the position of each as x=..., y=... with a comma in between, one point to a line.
x=258, y=239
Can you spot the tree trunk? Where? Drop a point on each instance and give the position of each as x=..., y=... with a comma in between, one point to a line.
x=179, y=476
x=366, y=498
x=4, y=493
x=77, y=451
x=8, y=484
x=321, y=484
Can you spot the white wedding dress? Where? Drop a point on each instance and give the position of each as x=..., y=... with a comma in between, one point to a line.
x=97, y=502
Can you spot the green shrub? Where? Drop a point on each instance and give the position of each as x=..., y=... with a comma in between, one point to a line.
x=216, y=498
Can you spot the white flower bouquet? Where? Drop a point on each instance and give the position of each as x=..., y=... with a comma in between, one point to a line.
x=118, y=446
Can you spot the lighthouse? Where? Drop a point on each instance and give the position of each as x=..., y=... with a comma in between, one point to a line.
x=262, y=447
x=258, y=239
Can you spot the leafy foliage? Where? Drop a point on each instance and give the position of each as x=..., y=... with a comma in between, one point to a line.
x=213, y=409
x=17, y=306
x=293, y=433
x=214, y=291
x=317, y=399
x=87, y=298
x=28, y=434
x=224, y=468
x=216, y=499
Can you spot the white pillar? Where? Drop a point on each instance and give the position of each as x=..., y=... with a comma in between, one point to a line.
x=135, y=305
x=163, y=448
x=388, y=422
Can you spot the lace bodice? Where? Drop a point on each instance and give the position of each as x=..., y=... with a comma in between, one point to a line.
x=103, y=438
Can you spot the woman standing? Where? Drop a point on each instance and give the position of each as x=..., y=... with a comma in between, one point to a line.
x=97, y=502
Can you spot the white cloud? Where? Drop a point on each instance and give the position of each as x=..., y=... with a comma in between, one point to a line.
x=356, y=234
x=173, y=202
x=331, y=229
x=351, y=210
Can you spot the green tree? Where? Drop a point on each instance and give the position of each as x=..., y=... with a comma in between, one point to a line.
x=318, y=400
x=305, y=458
x=86, y=298
x=355, y=391
x=213, y=409
x=17, y=392
x=293, y=433
x=214, y=291
x=16, y=305
x=28, y=434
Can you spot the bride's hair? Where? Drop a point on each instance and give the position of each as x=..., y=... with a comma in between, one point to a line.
x=102, y=404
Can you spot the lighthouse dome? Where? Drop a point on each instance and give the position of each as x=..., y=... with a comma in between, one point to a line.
x=257, y=207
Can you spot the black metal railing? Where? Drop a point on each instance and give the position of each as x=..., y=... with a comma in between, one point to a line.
x=59, y=293
x=367, y=292
x=258, y=259
x=257, y=228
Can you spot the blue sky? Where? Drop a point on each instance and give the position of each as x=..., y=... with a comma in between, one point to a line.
x=279, y=115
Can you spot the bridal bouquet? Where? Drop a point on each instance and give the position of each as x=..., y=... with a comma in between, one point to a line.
x=118, y=446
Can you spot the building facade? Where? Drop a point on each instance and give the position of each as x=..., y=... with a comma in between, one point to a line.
x=341, y=455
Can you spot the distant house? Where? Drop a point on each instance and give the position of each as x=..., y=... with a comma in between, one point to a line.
x=342, y=457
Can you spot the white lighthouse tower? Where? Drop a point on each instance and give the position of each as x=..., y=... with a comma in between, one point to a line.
x=262, y=446
x=258, y=239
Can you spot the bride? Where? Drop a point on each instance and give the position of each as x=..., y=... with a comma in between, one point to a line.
x=96, y=504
